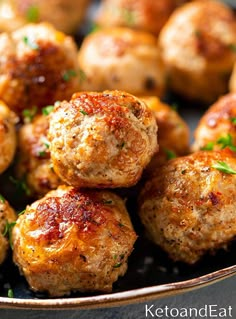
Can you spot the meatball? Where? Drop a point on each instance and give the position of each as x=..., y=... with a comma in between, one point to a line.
x=122, y=59
x=7, y=218
x=217, y=127
x=146, y=15
x=73, y=240
x=189, y=207
x=38, y=66
x=7, y=136
x=198, y=48
x=65, y=15
x=173, y=133
x=34, y=164
x=102, y=139
x=10, y=19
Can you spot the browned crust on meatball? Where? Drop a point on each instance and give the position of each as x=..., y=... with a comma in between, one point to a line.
x=34, y=71
x=73, y=240
x=146, y=15
x=217, y=122
x=102, y=139
x=7, y=215
x=189, y=207
x=122, y=59
x=33, y=160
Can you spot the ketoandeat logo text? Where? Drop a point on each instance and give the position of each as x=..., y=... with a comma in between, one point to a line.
x=207, y=311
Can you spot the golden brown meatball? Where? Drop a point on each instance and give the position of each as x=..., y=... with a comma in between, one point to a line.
x=217, y=127
x=7, y=136
x=146, y=15
x=173, y=133
x=197, y=45
x=34, y=162
x=65, y=15
x=189, y=207
x=73, y=240
x=38, y=66
x=102, y=139
x=122, y=59
x=7, y=217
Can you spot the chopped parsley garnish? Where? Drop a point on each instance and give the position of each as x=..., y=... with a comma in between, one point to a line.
x=41, y=153
x=226, y=141
x=170, y=154
x=82, y=76
x=68, y=75
x=30, y=42
x=233, y=120
x=117, y=265
x=10, y=293
x=174, y=107
x=8, y=231
x=224, y=167
x=20, y=185
x=21, y=213
x=47, y=109
x=2, y=199
x=29, y=114
x=208, y=147
x=83, y=112
x=32, y=14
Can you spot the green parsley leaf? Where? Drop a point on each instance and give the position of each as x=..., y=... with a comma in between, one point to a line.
x=68, y=75
x=233, y=120
x=41, y=153
x=8, y=231
x=83, y=112
x=30, y=42
x=29, y=114
x=224, y=167
x=20, y=185
x=170, y=154
x=21, y=213
x=10, y=293
x=107, y=201
x=117, y=265
x=226, y=141
x=2, y=199
x=47, y=109
x=32, y=14
x=208, y=147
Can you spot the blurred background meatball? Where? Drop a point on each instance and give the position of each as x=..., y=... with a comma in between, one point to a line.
x=65, y=15
x=217, y=127
x=38, y=66
x=73, y=240
x=122, y=59
x=198, y=47
x=146, y=15
x=7, y=219
x=33, y=160
x=102, y=139
x=7, y=136
x=189, y=207
x=173, y=134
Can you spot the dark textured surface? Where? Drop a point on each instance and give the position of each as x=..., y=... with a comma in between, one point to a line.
x=222, y=294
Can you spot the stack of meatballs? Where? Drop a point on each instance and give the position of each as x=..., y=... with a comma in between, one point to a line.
x=77, y=123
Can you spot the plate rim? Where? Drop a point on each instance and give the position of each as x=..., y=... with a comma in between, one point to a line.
x=120, y=298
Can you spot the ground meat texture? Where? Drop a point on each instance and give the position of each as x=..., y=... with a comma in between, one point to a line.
x=33, y=158
x=38, y=66
x=188, y=209
x=217, y=127
x=198, y=48
x=122, y=59
x=102, y=139
x=173, y=134
x=7, y=217
x=73, y=240
x=145, y=15
x=7, y=136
